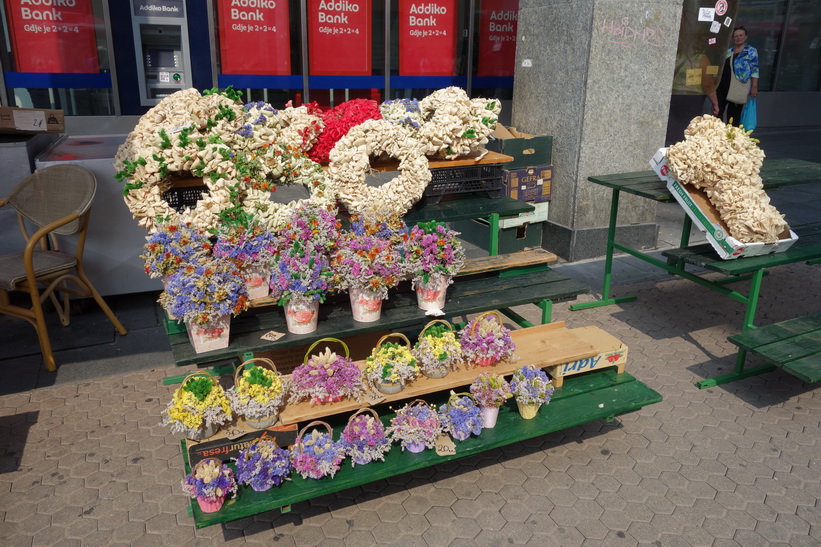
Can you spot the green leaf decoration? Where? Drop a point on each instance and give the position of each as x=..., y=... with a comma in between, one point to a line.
x=199, y=386
x=256, y=376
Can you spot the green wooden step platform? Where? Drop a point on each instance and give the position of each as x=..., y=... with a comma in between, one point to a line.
x=585, y=398
x=793, y=345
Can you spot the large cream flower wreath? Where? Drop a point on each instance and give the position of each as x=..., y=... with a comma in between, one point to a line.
x=350, y=165
x=230, y=147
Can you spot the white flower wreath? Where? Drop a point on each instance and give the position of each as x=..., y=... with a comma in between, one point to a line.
x=350, y=164
x=455, y=125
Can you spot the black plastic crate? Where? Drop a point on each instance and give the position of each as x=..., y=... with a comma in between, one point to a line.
x=185, y=196
x=468, y=179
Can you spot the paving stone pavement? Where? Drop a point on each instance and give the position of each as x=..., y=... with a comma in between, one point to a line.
x=87, y=463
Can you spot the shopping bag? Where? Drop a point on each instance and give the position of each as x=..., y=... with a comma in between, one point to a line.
x=749, y=116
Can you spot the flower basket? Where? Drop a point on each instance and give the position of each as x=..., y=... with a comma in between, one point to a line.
x=416, y=426
x=198, y=407
x=486, y=341
x=390, y=365
x=532, y=388
x=258, y=392
x=263, y=465
x=437, y=351
x=210, y=481
x=461, y=416
x=490, y=391
x=364, y=438
x=326, y=377
x=318, y=455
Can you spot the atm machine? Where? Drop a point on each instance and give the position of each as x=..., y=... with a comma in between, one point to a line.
x=160, y=32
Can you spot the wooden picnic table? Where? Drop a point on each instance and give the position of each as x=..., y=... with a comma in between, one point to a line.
x=646, y=184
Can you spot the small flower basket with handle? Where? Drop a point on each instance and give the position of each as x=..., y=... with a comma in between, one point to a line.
x=437, y=351
x=391, y=365
x=258, y=393
x=210, y=481
x=198, y=407
x=364, y=438
x=416, y=426
x=326, y=377
x=461, y=416
x=490, y=391
x=486, y=341
x=532, y=388
x=317, y=455
x=263, y=465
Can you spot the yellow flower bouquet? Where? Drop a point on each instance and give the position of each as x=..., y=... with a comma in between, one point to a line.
x=390, y=365
x=438, y=350
x=258, y=392
x=198, y=407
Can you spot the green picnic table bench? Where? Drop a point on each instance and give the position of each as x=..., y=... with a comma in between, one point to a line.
x=793, y=345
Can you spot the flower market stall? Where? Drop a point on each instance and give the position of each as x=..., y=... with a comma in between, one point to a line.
x=245, y=273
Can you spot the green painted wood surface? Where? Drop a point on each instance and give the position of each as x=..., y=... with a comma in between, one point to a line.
x=466, y=208
x=774, y=174
x=600, y=395
x=794, y=345
x=400, y=310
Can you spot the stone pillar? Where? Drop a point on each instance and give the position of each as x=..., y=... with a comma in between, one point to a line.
x=597, y=75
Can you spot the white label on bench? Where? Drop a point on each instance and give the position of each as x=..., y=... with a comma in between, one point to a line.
x=445, y=446
x=272, y=335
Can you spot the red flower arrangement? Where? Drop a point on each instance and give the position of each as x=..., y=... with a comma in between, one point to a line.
x=338, y=121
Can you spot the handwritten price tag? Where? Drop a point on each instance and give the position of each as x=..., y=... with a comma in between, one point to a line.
x=272, y=335
x=373, y=398
x=445, y=446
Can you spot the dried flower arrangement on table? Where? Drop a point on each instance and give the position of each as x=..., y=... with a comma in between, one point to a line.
x=210, y=481
x=532, y=388
x=258, y=393
x=391, y=365
x=263, y=465
x=485, y=340
x=317, y=455
x=416, y=426
x=437, y=350
x=198, y=407
x=364, y=438
x=491, y=391
x=326, y=377
x=461, y=416
x=435, y=254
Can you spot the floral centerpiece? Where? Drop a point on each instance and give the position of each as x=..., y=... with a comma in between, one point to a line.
x=204, y=295
x=485, y=340
x=210, y=481
x=198, y=407
x=317, y=455
x=461, y=416
x=300, y=282
x=404, y=112
x=263, y=465
x=367, y=264
x=313, y=225
x=326, y=377
x=490, y=391
x=258, y=392
x=364, y=438
x=416, y=426
x=437, y=351
x=435, y=254
x=391, y=365
x=251, y=249
x=173, y=246
x=532, y=388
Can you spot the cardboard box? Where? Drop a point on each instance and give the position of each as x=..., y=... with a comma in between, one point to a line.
x=511, y=240
x=30, y=120
x=539, y=214
x=533, y=184
x=527, y=150
x=707, y=218
x=612, y=353
x=228, y=443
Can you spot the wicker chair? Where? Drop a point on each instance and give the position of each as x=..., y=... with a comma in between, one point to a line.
x=57, y=200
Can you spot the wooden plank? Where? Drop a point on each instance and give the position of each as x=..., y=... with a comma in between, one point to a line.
x=807, y=368
x=790, y=349
x=704, y=256
x=489, y=158
x=540, y=346
x=584, y=399
x=466, y=208
x=753, y=339
x=400, y=310
x=519, y=259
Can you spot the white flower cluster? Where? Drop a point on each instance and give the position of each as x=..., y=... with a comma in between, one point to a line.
x=724, y=161
x=455, y=125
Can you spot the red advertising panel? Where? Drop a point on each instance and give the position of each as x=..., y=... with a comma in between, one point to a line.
x=51, y=36
x=339, y=37
x=427, y=38
x=261, y=27
x=497, y=37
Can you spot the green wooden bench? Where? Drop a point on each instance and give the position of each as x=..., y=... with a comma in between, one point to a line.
x=488, y=283
x=596, y=396
x=793, y=345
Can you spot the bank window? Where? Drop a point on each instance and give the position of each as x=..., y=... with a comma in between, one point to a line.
x=800, y=64
x=56, y=56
